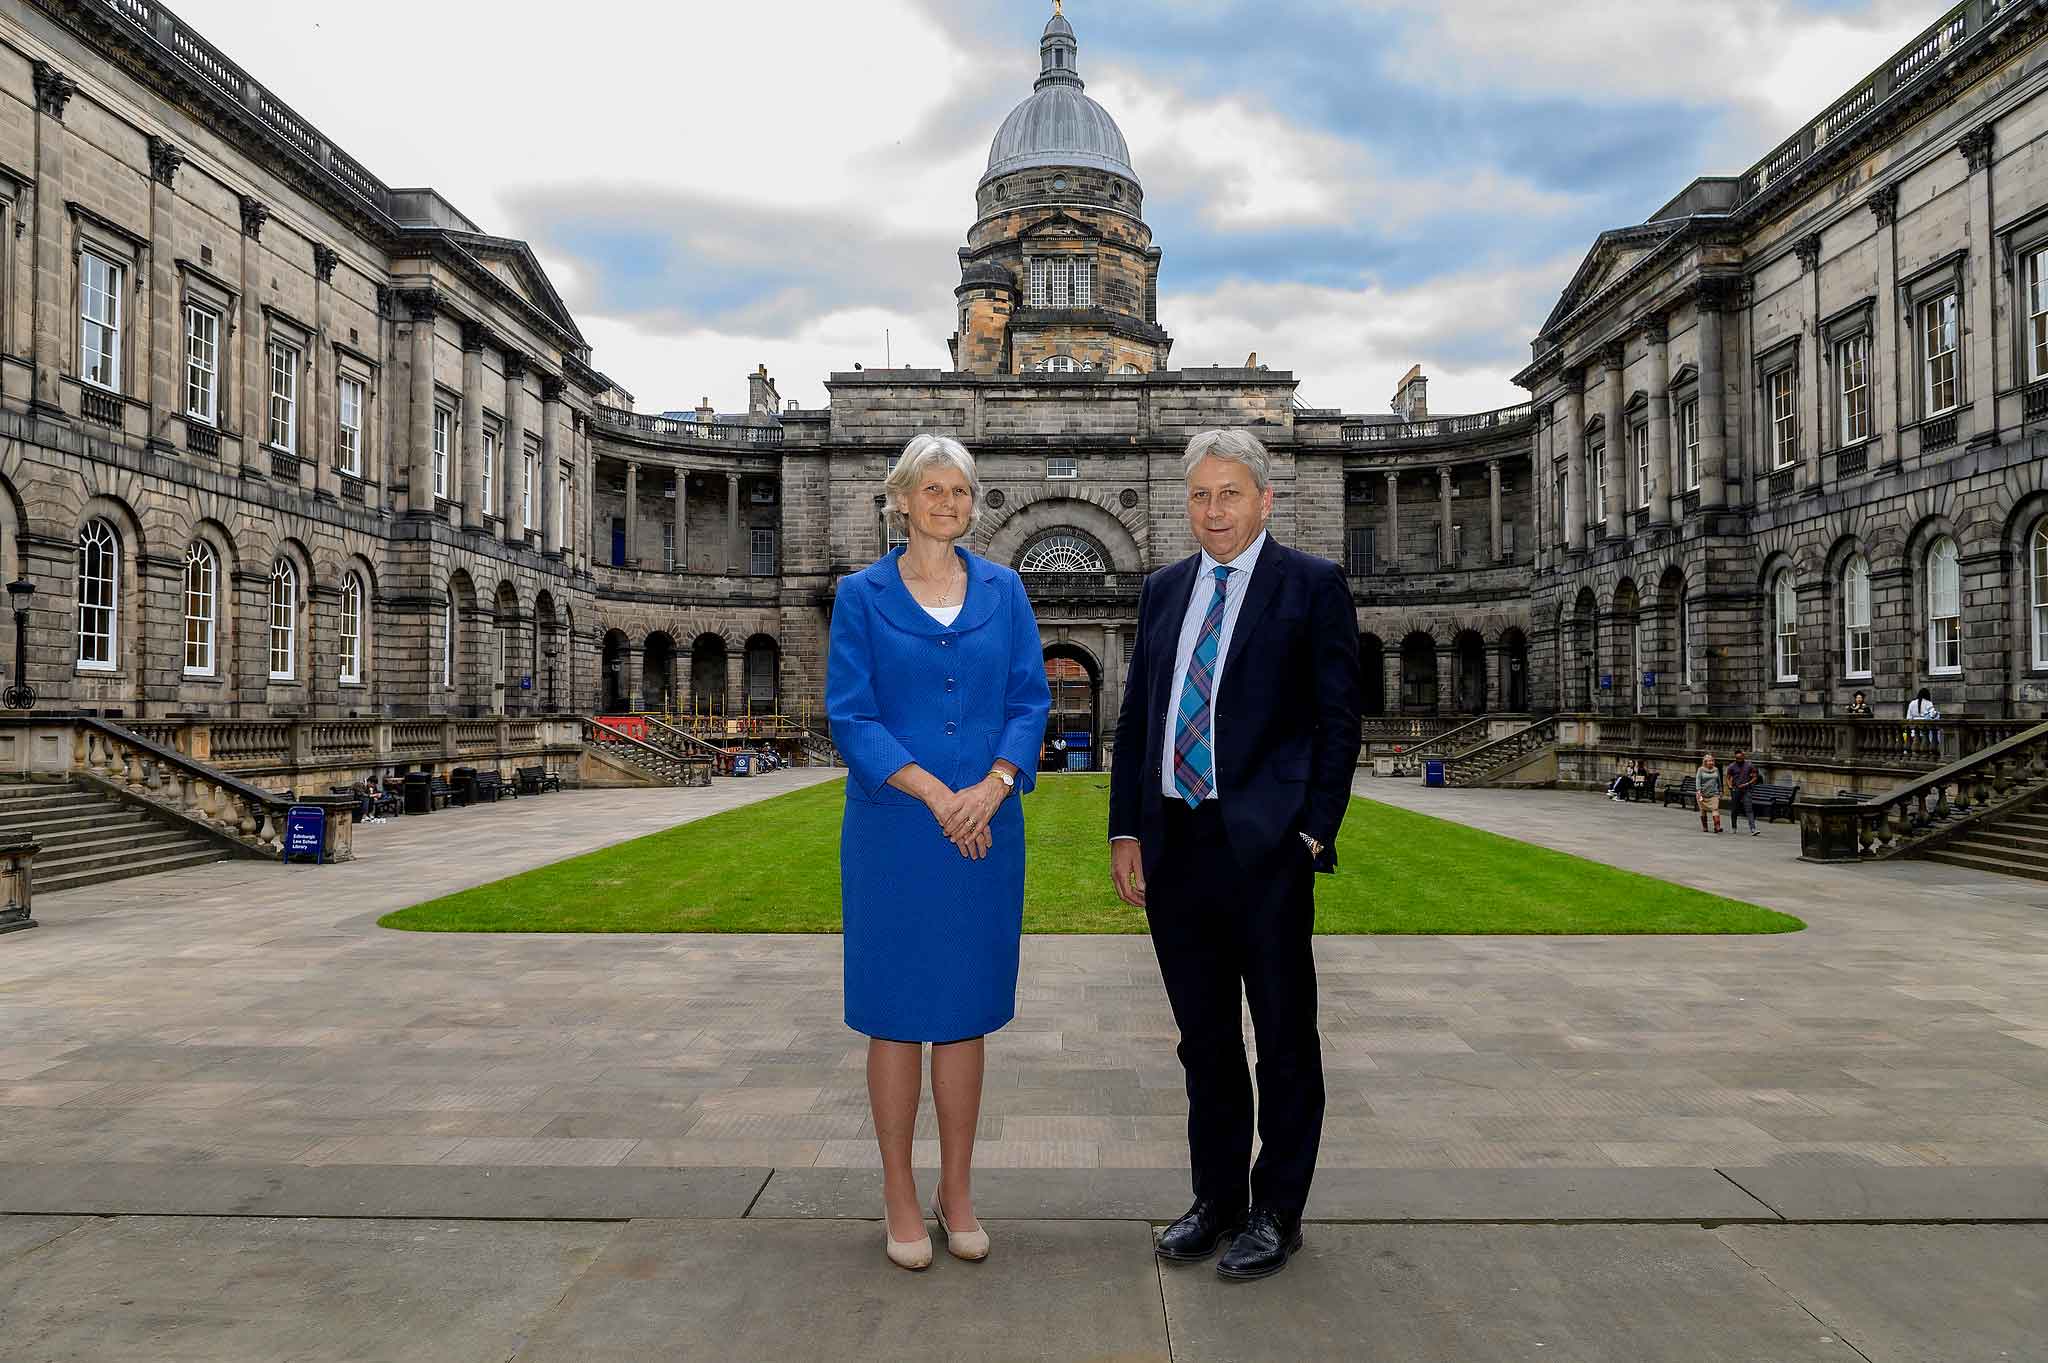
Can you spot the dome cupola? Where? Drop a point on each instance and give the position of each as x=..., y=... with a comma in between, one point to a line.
x=1059, y=125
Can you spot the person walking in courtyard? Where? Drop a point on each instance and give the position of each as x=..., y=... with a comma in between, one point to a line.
x=1707, y=791
x=1235, y=748
x=935, y=689
x=1743, y=779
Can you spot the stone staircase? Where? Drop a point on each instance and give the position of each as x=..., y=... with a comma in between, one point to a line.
x=2014, y=844
x=89, y=837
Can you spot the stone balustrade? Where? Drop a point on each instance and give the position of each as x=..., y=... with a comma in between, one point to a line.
x=1927, y=809
x=1476, y=765
x=17, y=861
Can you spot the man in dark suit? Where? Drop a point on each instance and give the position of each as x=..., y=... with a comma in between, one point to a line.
x=1235, y=751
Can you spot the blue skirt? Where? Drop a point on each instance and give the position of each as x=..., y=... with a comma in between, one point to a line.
x=931, y=936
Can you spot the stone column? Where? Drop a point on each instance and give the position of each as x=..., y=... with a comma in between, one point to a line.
x=549, y=474
x=632, y=515
x=419, y=488
x=1713, y=402
x=1887, y=352
x=474, y=337
x=165, y=401
x=1539, y=483
x=1814, y=418
x=683, y=520
x=1493, y=496
x=733, y=560
x=513, y=447
x=1575, y=461
x=1391, y=553
x=1981, y=357
x=325, y=445
x=1444, y=556
x=52, y=297
x=1663, y=472
x=735, y=681
x=1616, y=509
x=255, y=364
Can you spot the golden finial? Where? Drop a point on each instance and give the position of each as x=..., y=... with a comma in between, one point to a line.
x=1055, y=9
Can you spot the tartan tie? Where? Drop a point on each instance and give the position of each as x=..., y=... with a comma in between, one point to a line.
x=1194, y=762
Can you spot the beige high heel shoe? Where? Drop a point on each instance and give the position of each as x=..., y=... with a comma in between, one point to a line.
x=914, y=1255
x=971, y=1245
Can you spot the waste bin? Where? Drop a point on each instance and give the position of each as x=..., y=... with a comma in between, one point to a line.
x=462, y=786
x=1432, y=773
x=419, y=792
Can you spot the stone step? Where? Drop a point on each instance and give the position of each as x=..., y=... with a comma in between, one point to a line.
x=121, y=835
x=71, y=879
x=98, y=863
x=1974, y=845
x=105, y=813
x=2031, y=823
x=1979, y=863
x=2005, y=835
x=54, y=799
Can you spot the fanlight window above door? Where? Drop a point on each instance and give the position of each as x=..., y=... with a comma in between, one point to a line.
x=1062, y=554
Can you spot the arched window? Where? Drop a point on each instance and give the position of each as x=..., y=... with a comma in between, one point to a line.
x=284, y=619
x=352, y=628
x=1856, y=618
x=202, y=596
x=1944, y=609
x=1062, y=553
x=99, y=578
x=1062, y=364
x=2038, y=579
x=1785, y=627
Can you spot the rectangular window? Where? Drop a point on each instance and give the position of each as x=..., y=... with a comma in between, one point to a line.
x=1852, y=377
x=1358, y=551
x=1062, y=468
x=443, y=419
x=202, y=363
x=284, y=397
x=561, y=510
x=529, y=468
x=668, y=545
x=1084, y=283
x=349, y=441
x=99, y=321
x=1689, y=445
x=1038, y=289
x=1598, y=456
x=1507, y=540
x=490, y=458
x=2037, y=314
x=761, y=553
x=1856, y=618
x=1640, y=439
x=1457, y=546
x=1557, y=500
x=1062, y=280
x=1784, y=386
x=1938, y=321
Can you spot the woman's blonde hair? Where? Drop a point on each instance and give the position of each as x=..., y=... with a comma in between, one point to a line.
x=923, y=451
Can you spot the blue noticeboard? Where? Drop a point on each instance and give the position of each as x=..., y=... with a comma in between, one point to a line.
x=526, y=683
x=1077, y=761
x=1432, y=773
x=1649, y=679
x=305, y=833
x=742, y=764
x=1606, y=681
x=1080, y=738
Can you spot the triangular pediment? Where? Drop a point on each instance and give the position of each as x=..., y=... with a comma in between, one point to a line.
x=1612, y=256
x=1059, y=227
x=513, y=262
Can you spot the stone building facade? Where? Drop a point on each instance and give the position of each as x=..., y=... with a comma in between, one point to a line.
x=284, y=440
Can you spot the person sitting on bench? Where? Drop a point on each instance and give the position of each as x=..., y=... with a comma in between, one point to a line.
x=1623, y=787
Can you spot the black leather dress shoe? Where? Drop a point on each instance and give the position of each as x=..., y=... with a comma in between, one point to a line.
x=1261, y=1248
x=1196, y=1235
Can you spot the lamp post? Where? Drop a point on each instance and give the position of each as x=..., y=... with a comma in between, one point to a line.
x=550, y=654
x=20, y=696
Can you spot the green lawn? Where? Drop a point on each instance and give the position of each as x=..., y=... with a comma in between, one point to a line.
x=774, y=867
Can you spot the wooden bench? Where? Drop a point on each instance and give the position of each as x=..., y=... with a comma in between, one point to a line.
x=1645, y=788
x=1771, y=801
x=1685, y=793
x=536, y=779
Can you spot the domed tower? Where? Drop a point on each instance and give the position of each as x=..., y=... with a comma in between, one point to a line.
x=1059, y=272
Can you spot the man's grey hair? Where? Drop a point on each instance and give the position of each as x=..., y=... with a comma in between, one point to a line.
x=1240, y=447
x=917, y=459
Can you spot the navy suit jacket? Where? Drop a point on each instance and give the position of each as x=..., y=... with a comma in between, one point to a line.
x=1286, y=715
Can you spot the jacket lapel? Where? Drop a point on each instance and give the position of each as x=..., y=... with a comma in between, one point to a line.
x=1176, y=590
x=1258, y=598
x=900, y=608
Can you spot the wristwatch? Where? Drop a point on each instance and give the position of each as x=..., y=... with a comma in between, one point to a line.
x=1009, y=781
x=1315, y=849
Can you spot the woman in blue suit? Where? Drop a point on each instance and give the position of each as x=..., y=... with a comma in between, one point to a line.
x=936, y=691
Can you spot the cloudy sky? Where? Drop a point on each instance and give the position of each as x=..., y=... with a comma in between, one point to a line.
x=1346, y=187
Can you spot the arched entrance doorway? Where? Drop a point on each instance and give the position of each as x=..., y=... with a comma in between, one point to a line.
x=658, y=673
x=1372, y=667
x=707, y=675
x=1514, y=649
x=612, y=684
x=1418, y=675
x=1468, y=661
x=762, y=671
x=1628, y=677
x=1072, y=730
x=1584, y=656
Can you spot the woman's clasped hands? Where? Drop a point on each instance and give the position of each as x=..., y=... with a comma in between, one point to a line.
x=964, y=815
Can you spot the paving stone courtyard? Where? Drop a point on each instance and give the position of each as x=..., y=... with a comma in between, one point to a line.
x=275, y=1125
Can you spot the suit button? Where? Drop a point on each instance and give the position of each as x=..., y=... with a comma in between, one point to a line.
x=945, y=643
x=949, y=683
x=950, y=726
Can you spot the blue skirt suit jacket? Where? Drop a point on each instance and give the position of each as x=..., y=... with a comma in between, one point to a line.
x=932, y=936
